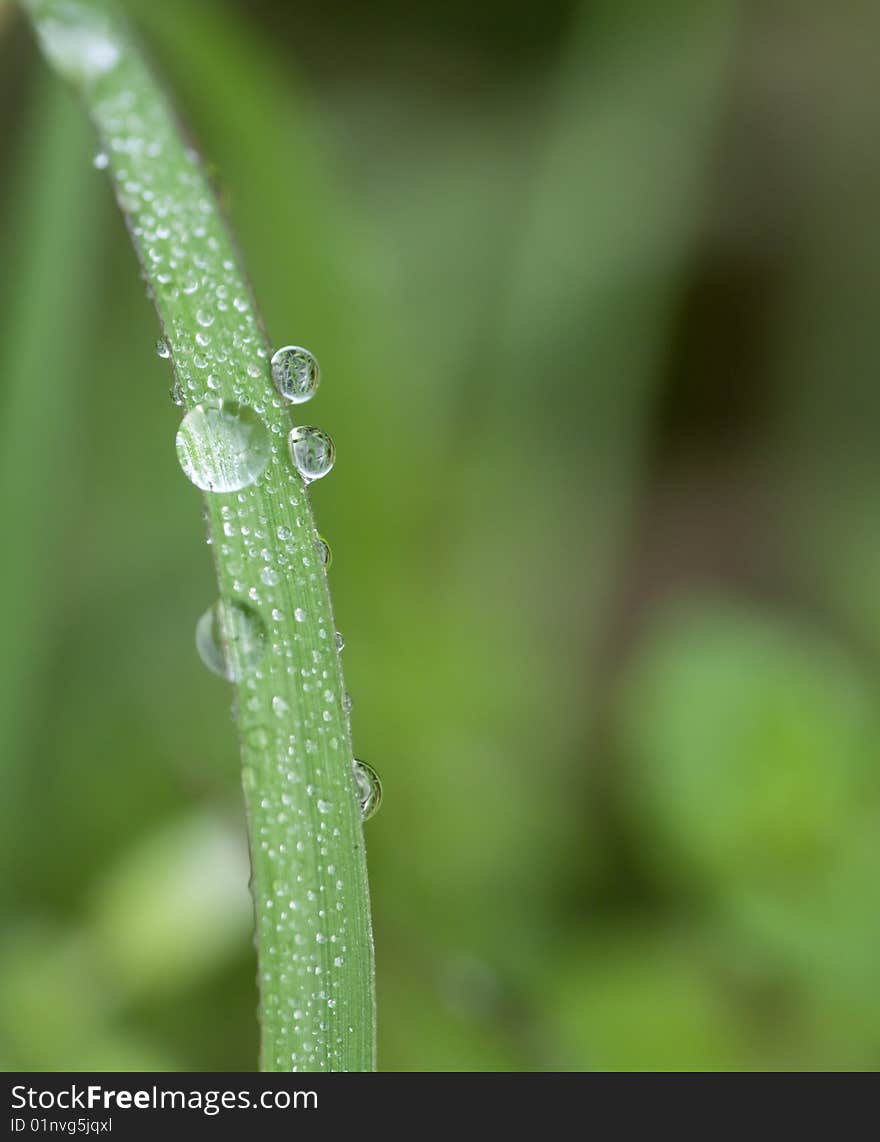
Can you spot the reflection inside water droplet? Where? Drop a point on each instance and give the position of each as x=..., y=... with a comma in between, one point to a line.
x=163, y=349
x=325, y=554
x=312, y=452
x=230, y=639
x=369, y=788
x=296, y=373
x=222, y=447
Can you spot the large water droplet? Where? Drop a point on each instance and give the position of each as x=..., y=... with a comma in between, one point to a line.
x=223, y=447
x=163, y=349
x=230, y=639
x=339, y=639
x=296, y=373
x=369, y=788
x=312, y=452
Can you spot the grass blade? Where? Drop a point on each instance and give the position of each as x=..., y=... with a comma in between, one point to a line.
x=276, y=622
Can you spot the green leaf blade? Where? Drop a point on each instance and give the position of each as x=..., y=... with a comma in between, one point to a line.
x=308, y=864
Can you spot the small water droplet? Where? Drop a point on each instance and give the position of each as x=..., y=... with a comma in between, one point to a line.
x=340, y=640
x=163, y=349
x=270, y=576
x=347, y=702
x=280, y=706
x=369, y=788
x=296, y=373
x=300, y=615
x=230, y=639
x=312, y=452
x=325, y=554
x=101, y=161
x=176, y=392
x=223, y=447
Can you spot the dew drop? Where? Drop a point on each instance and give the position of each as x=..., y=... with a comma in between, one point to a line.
x=296, y=373
x=312, y=452
x=340, y=640
x=101, y=161
x=230, y=639
x=177, y=396
x=222, y=447
x=325, y=554
x=270, y=576
x=369, y=788
x=163, y=349
x=347, y=702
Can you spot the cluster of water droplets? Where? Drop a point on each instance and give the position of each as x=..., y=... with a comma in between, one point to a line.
x=223, y=446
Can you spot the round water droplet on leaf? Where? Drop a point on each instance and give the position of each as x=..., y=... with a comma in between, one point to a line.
x=339, y=639
x=312, y=452
x=223, y=447
x=163, y=349
x=230, y=639
x=369, y=788
x=296, y=373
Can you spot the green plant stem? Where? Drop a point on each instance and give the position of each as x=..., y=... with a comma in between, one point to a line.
x=309, y=877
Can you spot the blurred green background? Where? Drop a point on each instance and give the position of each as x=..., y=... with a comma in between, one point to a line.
x=594, y=291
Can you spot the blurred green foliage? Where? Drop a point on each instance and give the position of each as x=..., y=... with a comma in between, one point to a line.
x=590, y=288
